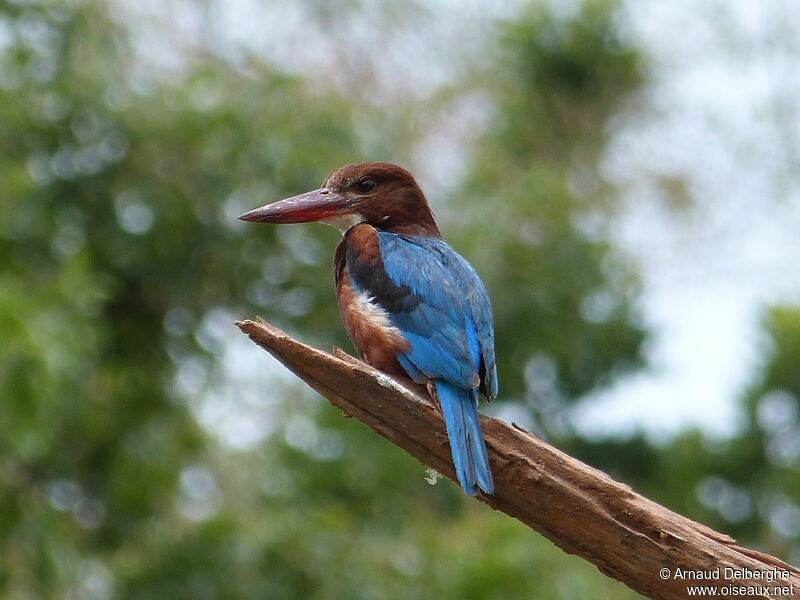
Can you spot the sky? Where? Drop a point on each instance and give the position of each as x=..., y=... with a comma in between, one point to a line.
x=719, y=111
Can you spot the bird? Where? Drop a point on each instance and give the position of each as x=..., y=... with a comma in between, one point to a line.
x=412, y=306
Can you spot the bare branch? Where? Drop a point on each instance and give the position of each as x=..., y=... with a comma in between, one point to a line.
x=577, y=507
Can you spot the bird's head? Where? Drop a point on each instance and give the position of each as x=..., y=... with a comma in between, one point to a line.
x=381, y=194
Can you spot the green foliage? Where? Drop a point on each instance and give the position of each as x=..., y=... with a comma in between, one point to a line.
x=751, y=485
x=119, y=242
x=746, y=486
x=534, y=180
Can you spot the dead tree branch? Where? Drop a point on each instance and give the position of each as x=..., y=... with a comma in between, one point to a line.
x=578, y=508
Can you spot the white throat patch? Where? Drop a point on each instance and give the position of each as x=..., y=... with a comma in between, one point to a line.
x=344, y=222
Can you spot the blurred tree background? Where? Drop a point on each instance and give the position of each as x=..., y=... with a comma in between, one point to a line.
x=148, y=450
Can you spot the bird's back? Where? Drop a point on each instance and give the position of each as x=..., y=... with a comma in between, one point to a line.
x=413, y=300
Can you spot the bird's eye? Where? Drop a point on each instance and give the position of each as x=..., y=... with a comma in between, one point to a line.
x=366, y=185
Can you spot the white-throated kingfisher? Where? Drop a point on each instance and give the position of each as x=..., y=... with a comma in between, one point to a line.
x=413, y=307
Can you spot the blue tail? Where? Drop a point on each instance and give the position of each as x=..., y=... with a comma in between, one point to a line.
x=460, y=410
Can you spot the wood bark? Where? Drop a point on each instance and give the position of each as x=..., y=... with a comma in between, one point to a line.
x=580, y=509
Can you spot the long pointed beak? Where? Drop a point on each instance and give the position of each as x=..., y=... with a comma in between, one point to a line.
x=312, y=206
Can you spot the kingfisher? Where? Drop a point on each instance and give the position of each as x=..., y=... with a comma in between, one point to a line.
x=412, y=306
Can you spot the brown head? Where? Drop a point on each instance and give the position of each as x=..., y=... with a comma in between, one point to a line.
x=381, y=194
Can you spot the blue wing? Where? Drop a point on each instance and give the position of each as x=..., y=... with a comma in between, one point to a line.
x=435, y=298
